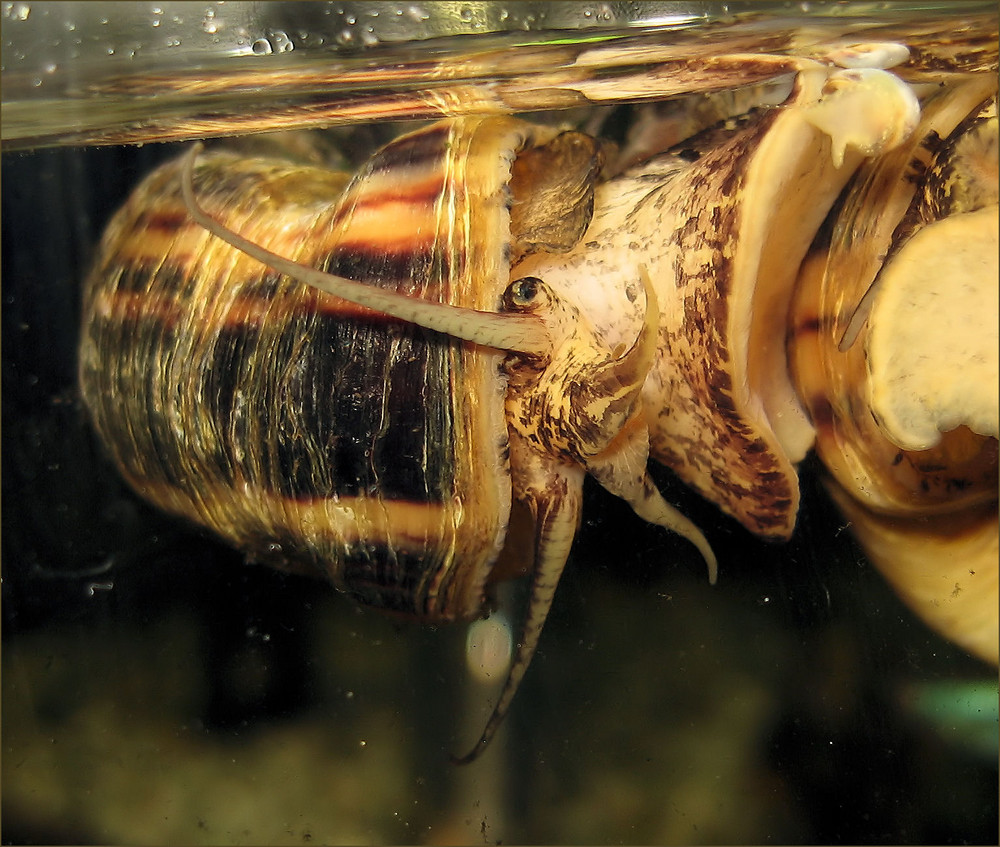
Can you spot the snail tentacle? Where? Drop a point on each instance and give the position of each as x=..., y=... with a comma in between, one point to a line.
x=554, y=494
x=621, y=470
x=515, y=333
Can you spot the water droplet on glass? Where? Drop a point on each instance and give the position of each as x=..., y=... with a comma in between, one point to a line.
x=281, y=42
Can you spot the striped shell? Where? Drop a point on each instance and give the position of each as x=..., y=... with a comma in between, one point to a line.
x=242, y=400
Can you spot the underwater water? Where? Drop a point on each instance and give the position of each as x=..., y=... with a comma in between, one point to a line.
x=156, y=689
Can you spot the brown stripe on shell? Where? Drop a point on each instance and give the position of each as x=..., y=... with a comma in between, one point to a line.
x=383, y=553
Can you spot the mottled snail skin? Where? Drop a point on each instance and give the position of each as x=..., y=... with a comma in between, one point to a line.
x=721, y=226
x=894, y=337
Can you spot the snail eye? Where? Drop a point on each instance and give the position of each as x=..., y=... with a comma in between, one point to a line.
x=523, y=294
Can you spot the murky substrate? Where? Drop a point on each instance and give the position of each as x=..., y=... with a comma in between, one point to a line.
x=659, y=710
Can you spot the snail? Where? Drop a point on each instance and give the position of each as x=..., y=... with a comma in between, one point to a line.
x=387, y=377
x=894, y=349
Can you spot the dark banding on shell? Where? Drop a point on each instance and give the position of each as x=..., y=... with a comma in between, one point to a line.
x=303, y=429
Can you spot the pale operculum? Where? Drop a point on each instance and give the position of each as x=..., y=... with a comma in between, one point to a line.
x=898, y=364
x=721, y=239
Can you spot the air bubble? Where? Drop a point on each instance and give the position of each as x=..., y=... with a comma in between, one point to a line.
x=262, y=47
x=604, y=13
x=281, y=42
x=18, y=11
x=209, y=24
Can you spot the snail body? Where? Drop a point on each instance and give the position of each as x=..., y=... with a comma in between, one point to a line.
x=722, y=225
x=484, y=321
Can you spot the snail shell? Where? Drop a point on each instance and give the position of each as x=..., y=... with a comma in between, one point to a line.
x=242, y=400
x=894, y=350
x=354, y=429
